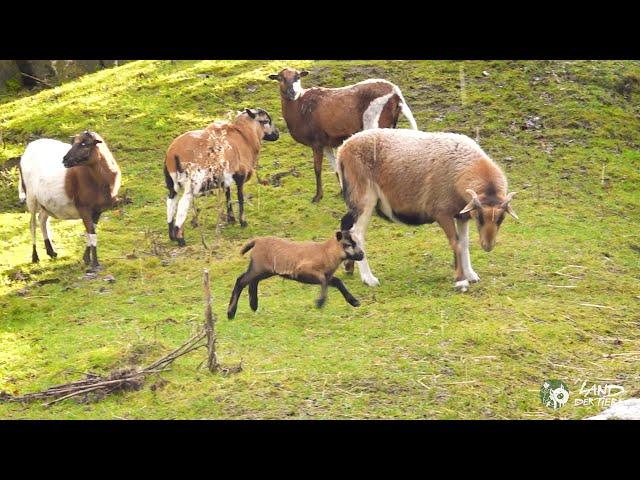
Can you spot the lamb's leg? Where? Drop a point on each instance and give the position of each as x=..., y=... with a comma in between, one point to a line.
x=230, y=217
x=337, y=283
x=44, y=227
x=324, y=286
x=239, y=179
x=317, y=166
x=242, y=281
x=447, y=224
x=181, y=217
x=463, y=240
x=32, y=227
x=253, y=295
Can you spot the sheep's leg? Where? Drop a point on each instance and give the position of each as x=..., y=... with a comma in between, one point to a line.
x=172, y=209
x=43, y=217
x=239, y=179
x=91, y=252
x=358, y=232
x=328, y=151
x=317, y=166
x=337, y=283
x=463, y=240
x=230, y=217
x=447, y=224
x=32, y=226
x=181, y=217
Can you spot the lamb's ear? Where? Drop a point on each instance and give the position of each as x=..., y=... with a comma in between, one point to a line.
x=250, y=113
x=304, y=73
x=274, y=76
x=97, y=141
x=338, y=236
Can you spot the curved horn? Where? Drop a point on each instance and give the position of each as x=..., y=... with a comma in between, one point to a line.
x=506, y=205
x=473, y=204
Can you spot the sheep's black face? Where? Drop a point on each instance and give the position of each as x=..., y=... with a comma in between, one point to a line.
x=81, y=148
x=351, y=248
x=289, y=80
x=270, y=132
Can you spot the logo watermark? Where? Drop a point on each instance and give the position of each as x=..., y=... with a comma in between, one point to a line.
x=554, y=394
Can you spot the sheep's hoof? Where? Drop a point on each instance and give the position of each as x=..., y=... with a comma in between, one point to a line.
x=473, y=277
x=231, y=314
x=95, y=268
x=243, y=224
x=53, y=254
x=231, y=219
x=172, y=233
x=354, y=302
x=35, y=259
x=316, y=199
x=371, y=281
x=462, y=286
x=181, y=242
x=86, y=258
x=320, y=302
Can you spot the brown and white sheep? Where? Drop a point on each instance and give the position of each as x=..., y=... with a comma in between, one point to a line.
x=306, y=262
x=323, y=118
x=65, y=181
x=215, y=157
x=417, y=178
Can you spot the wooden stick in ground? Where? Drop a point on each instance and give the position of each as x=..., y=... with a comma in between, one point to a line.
x=209, y=326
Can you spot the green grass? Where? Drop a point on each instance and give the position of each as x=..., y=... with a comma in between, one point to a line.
x=415, y=349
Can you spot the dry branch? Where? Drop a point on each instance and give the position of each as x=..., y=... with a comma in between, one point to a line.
x=133, y=379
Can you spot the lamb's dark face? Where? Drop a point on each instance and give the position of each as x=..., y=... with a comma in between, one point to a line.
x=289, y=80
x=81, y=148
x=350, y=246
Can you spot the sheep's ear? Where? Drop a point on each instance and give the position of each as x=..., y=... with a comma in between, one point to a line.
x=249, y=112
x=274, y=76
x=98, y=141
x=304, y=73
x=338, y=236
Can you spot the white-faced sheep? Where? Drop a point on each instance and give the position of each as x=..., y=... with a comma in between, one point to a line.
x=221, y=154
x=306, y=262
x=65, y=181
x=323, y=118
x=417, y=178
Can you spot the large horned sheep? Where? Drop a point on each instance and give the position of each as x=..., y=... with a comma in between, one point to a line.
x=323, y=118
x=215, y=157
x=65, y=181
x=306, y=262
x=417, y=178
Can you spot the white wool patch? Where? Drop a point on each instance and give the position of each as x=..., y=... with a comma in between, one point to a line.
x=44, y=177
x=172, y=208
x=328, y=151
x=92, y=240
x=297, y=89
x=371, y=116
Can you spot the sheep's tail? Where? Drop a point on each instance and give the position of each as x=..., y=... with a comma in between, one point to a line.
x=248, y=247
x=406, y=111
x=22, y=190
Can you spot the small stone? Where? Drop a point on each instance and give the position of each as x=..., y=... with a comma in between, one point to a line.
x=485, y=73
x=109, y=278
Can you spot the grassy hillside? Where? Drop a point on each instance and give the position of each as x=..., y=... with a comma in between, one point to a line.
x=558, y=295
